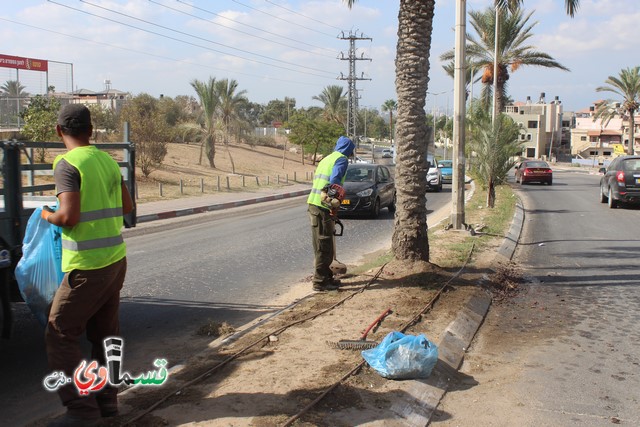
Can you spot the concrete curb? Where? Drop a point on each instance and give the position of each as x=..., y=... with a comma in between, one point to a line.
x=422, y=397
x=510, y=242
x=218, y=206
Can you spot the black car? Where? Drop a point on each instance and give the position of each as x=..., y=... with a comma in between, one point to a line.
x=368, y=188
x=620, y=182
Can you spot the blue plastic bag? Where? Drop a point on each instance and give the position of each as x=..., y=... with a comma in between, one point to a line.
x=39, y=271
x=403, y=357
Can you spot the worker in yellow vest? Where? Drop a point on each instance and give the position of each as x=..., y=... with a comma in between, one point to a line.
x=330, y=171
x=92, y=200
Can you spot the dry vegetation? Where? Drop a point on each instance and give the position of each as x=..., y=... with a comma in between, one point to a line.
x=254, y=166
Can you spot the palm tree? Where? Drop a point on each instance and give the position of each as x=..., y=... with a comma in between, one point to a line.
x=13, y=89
x=15, y=98
x=513, y=53
x=415, y=25
x=627, y=86
x=209, y=102
x=335, y=103
x=230, y=103
x=512, y=6
x=390, y=105
x=494, y=148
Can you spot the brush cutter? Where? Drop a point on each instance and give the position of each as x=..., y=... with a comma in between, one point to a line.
x=362, y=343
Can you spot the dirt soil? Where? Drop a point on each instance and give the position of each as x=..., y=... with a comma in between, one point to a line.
x=269, y=372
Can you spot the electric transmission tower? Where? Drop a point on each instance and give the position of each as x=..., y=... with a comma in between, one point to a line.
x=352, y=107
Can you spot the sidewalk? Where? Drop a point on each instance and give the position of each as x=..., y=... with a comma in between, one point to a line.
x=172, y=208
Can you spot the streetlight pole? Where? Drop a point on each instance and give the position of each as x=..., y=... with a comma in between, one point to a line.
x=435, y=98
x=459, y=113
x=496, y=51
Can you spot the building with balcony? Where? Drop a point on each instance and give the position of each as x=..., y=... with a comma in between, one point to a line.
x=593, y=138
x=544, y=127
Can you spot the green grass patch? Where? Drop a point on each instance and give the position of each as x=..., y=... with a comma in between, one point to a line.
x=373, y=263
x=453, y=247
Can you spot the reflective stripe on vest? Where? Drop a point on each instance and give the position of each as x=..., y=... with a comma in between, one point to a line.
x=322, y=177
x=95, y=241
x=92, y=244
x=100, y=214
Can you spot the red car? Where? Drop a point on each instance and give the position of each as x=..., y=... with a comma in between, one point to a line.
x=534, y=171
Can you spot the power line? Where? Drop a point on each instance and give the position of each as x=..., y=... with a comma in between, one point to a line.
x=282, y=19
x=304, y=16
x=188, y=35
x=251, y=26
x=192, y=44
x=166, y=58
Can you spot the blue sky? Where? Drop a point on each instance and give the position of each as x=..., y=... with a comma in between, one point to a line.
x=288, y=48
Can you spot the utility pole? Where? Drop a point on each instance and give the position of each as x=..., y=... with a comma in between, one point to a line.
x=352, y=107
x=459, y=113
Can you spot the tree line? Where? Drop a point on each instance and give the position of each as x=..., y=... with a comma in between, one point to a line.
x=218, y=114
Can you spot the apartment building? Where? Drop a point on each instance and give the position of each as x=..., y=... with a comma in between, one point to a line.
x=545, y=128
x=593, y=138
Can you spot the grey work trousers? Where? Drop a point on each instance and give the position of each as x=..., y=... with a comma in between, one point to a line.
x=322, y=229
x=87, y=300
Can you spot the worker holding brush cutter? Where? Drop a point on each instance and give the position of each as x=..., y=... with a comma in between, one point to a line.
x=324, y=201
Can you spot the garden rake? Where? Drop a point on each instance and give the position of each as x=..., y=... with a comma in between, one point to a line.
x=362, y=343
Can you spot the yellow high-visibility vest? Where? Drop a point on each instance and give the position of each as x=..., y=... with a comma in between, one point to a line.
x=95, y=241
x=321, y=178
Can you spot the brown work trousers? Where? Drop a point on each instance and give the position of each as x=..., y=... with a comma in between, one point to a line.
x=87, y=300
x=322, y=228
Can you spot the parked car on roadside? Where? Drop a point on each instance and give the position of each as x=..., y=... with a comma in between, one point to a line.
x=368, y=188
x=434, y=175
x=620, y=182
x=533, y=171
x=446, y=169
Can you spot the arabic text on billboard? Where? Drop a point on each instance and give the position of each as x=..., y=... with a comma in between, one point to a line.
x=21, y=63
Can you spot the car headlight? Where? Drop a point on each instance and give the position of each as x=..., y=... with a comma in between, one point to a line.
x=365, y=193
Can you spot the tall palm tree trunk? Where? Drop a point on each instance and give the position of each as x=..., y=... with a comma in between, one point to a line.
x=415, y=20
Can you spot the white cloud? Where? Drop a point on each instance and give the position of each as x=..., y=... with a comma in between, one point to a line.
x=582, y=36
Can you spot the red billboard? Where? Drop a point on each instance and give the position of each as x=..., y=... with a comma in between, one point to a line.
x=7, y=61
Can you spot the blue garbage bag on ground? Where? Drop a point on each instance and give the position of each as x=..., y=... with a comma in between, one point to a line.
x=39, y=271
x=401, y=356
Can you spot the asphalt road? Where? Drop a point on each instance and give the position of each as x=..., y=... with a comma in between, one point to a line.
x=224, y=267
x=578, y=251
